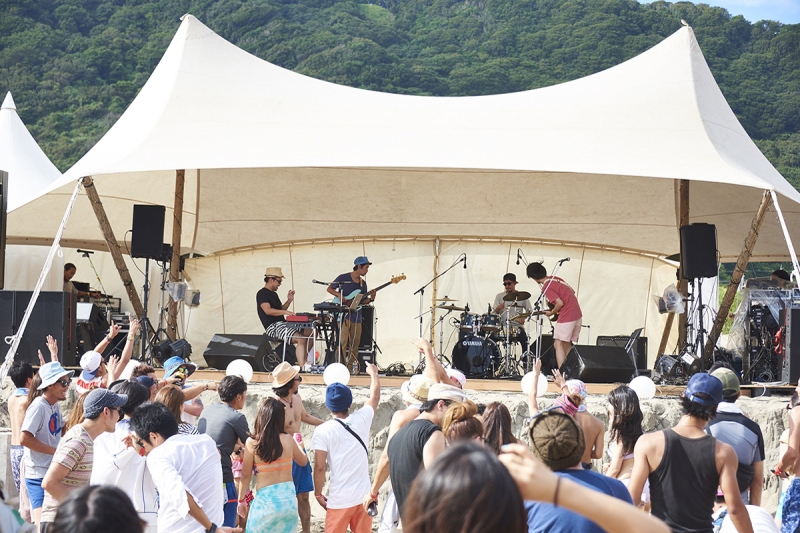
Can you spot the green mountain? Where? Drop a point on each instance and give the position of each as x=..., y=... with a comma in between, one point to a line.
x=75, y=65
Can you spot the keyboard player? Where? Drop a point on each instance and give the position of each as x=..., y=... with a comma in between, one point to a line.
x=272, y=313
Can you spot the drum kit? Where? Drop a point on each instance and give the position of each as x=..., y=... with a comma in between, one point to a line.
x=488, y=343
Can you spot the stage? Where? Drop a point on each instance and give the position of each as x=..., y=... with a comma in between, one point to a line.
x=491, y=385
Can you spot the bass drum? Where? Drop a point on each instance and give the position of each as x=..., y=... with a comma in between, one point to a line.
x=473, y=355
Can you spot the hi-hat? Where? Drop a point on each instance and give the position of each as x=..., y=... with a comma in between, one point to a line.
x=451, y=307
x=516, y=296
x=445, y=299
x=520, y=315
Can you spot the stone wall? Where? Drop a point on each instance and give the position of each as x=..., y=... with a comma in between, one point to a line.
x=660, y=413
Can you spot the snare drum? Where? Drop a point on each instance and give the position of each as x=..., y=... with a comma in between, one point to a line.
x=490, y=323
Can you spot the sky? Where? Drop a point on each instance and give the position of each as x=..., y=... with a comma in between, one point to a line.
x=785, y=11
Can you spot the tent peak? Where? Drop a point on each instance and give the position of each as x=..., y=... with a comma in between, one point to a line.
x=685, y=23
x=8, y=103
x=188, y=16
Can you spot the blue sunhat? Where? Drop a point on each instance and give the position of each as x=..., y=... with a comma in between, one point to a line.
x=51, y=372
x=172, y=365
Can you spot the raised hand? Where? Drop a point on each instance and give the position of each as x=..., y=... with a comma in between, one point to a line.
x=558, y=379
x=134, y=327
x=113, y=330
x=423, y=345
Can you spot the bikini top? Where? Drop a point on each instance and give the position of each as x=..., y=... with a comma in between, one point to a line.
x=275, y=466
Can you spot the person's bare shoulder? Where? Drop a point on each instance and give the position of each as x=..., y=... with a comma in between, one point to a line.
x=401, y=418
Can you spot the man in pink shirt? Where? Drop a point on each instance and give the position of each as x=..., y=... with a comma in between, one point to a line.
x=565, y=305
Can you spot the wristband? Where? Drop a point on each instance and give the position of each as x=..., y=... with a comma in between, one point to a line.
x=373, y=496
x=318, y=496
x=212, y=529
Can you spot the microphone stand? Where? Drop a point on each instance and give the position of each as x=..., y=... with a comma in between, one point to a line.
x=421, y=292
x=107, y=302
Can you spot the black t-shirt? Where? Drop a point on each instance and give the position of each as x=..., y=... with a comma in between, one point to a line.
x=405, y=456
x=271, y=297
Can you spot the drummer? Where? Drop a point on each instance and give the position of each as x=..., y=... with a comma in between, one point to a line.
x=504, y=307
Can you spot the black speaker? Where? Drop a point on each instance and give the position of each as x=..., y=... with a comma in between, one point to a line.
x=699, y=251
x=147, y=238
x=620, y=341
x=548, y=354
x=598, y=364
x=262, y=352
x=367, y=329
x=53, y=314
x=790, y=367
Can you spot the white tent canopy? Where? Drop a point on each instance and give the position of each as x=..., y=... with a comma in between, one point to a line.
x=274, y=156
x=29, y=169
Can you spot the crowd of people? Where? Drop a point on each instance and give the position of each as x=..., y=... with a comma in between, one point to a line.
x=143, y=451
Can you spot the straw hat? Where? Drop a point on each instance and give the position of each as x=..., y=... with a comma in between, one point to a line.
x=415, y=390
x=274, y=272
x=283, y=374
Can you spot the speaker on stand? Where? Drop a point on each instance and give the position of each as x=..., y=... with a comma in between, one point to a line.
x=698, y=260
x=147, y=241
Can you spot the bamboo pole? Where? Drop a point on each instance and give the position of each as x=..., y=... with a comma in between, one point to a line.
x=683, y=220
x=738, y=272
x=175, y=261
x=113, y=246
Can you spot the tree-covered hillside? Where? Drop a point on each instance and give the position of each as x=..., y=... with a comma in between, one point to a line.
x=74, y=65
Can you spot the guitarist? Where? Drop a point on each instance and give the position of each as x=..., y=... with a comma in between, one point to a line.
x=565, y=304
x=343, y=287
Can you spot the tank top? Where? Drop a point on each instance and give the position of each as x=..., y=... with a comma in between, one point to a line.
x=684, y=486
x=405, y=456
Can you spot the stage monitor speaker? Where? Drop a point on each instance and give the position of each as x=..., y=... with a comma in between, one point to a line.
x=620, y=341
x=147, y=238
x=699, y=251
x=548, y=354
x=3, y=224
x=790, y=368
x=262, y=352
x=367, y=329
x=598, y=364
x=53, y=314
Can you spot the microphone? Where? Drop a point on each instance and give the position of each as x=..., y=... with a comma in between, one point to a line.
x=518, y=256
x=84, y=252
x=563, y=260
x=465, y=261
x=319, y=282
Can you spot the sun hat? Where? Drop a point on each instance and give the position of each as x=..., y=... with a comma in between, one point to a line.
x=274, y=272
x=440, y=391
x=729, y=380
x=415, y=390
x=172, y=365
x=705, y=384
x=90, y=363
x=338, y=398
x=557, y=440
x=51, y=372
x=98, y=399
x=361, y=260
x=283, y=374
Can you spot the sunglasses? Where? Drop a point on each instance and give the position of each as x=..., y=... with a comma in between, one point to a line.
x=139, y=443
x=507, y=283
x=64, y=382
x=298, y=378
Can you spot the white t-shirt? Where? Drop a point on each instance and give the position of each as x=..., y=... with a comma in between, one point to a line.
x=346, y=457
x=114, y=464
x=519, y=307
x=187, y=463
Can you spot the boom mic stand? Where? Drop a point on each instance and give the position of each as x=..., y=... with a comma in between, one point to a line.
x=107, y=303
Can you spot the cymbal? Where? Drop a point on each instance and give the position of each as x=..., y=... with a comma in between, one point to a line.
x=451, y=307
x=516, y=296
x=445, y=299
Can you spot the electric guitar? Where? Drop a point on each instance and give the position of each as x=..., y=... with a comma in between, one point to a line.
x=348, y=300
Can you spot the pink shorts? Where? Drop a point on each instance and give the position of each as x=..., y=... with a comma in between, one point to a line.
x=567, y=331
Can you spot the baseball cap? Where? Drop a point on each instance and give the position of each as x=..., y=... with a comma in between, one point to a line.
x=729, y=379
x=705, y=384
x=98, y=399
x=361, y=260
x=458, y=375
x=51, y=372
x=90, y=363
x=510, y=277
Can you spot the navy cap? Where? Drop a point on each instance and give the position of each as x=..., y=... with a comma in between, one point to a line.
x=706, y=384
x=98, y=399
x=338, y=398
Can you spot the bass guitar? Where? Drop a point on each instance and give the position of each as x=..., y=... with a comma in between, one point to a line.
x=348, y=300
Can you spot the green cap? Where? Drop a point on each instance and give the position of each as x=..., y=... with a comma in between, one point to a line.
x=729, y=379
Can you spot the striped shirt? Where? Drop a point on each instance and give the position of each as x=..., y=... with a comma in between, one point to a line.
x=76, y=452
